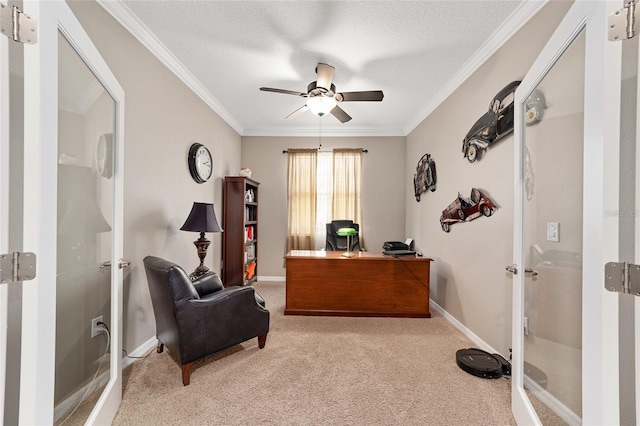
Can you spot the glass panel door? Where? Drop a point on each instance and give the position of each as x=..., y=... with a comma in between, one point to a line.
x=565, y=324
x=553, y=239
x=86, y=122
x=73, y=203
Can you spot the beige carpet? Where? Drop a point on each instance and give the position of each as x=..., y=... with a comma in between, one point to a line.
x=321, y=370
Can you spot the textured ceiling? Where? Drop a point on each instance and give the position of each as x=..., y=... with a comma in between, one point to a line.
x=412, y=50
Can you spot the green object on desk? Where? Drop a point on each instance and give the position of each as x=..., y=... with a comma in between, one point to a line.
x=347, y=232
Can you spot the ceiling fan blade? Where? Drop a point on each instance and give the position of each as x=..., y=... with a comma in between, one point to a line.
x=340, y=114
x=371, y=95
x=286, y=92
x=325, y=75
x=297, y=112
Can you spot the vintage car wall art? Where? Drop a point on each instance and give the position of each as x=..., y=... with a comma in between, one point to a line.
x=534, y=108
x=466, y=209
x=425, y=177
x=494, y=125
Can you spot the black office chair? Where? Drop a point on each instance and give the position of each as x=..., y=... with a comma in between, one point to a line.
x=338, y=243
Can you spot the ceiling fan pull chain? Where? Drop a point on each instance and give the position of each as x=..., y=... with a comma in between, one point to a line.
x=320, y=133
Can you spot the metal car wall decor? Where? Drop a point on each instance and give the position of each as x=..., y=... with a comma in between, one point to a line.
x=425, y=177
x=498, y=121
x=466, y=209
x=494, y=125
x=534, y=107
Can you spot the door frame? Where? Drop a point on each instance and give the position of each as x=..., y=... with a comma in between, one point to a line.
x=600, y=388
x=40, y=206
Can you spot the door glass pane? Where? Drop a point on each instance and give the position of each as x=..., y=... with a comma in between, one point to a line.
x=86, y=114
x=553, y=239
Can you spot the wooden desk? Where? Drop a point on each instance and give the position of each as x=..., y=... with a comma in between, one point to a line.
x=368, y=284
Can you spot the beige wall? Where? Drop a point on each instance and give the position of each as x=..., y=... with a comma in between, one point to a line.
x=382, y=190
x=163, y=117
x=468, y=277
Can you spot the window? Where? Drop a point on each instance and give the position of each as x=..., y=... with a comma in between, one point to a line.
x=322, y=186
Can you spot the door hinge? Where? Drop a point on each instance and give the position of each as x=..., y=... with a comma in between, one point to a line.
x=622, y=277
x=16, y=267
x=18, y=26
x=622, y=23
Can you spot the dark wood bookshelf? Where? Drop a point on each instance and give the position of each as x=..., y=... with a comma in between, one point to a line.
x=240, y=236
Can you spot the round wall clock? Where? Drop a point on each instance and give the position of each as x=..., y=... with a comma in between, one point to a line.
x=200, y=163
x=104, y=155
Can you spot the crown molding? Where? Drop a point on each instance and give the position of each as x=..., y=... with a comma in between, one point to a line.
x=500, y=36
x=131, y=23
x=314, y=132
x=82, y=105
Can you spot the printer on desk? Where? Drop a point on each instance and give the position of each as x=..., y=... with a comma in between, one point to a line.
x=397, y=248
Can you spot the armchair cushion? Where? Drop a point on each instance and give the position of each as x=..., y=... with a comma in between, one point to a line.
x=208, y=284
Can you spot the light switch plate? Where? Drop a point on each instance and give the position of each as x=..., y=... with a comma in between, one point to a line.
x=553, y=231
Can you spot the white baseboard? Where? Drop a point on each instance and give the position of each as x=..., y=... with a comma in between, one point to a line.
x=553, y=403
x=139, y=351
x=463, y=329
x=265, y=278
x=69, y=404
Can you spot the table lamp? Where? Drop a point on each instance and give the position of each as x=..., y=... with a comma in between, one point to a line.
x=201, y=219
x=347, y=232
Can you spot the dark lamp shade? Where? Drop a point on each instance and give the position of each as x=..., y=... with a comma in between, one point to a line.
x=201, y=219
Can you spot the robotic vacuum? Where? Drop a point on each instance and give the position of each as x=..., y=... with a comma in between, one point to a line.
x=479, y=363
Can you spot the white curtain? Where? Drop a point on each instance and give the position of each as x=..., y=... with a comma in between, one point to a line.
x=301, y=196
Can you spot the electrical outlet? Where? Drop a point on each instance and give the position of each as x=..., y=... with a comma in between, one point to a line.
x=95, y=328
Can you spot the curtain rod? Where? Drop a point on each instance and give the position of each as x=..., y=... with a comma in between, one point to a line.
x=284, y=151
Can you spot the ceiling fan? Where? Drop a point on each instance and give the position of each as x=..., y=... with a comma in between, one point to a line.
x=322, y=96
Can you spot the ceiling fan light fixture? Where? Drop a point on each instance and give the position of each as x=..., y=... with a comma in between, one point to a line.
x=320, y=105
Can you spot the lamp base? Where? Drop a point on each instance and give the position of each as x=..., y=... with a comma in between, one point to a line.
x=202, y=244
x=199, y=272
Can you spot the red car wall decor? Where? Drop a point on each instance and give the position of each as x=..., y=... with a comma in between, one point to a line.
x=466, y=209
x=425, y=177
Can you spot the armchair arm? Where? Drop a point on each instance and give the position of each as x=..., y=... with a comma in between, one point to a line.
x=208, y=284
